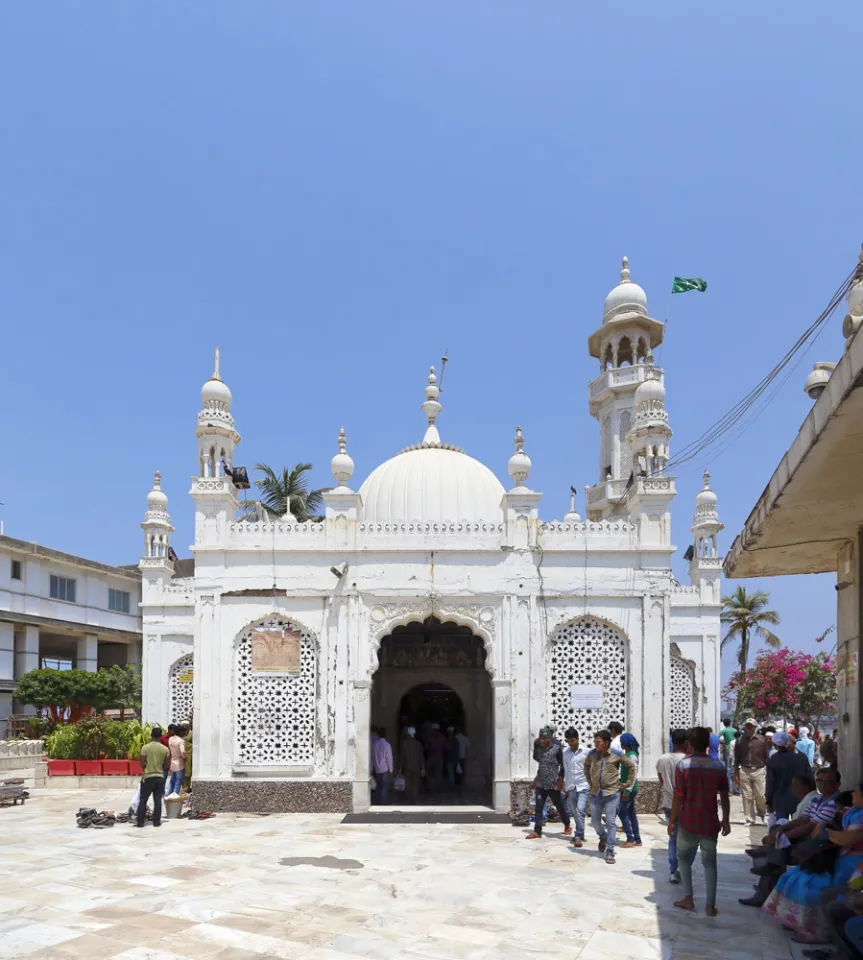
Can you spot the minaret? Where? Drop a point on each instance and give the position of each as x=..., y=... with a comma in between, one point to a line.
x=157, y=534
x=521, y=504
x=341, y=504
x=650, y=435
x=621, y=344
x=705, y=567
x=213, y=489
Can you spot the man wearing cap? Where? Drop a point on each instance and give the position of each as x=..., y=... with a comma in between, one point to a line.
x=548, y=782
x=785, y=764
x=750, y=762
x=805, y=745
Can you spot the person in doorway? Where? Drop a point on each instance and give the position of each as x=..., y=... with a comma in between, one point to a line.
x=628, y=793
x=450, y=756
x=412, y=765
x=698, y=782
x=177, y=749
x=666, y=770
x=382, y=764
x=575, y=783
x=435, y=748
x=154, y=760
x=548, y=783
x=602, y=770
x=806, y=746
x=464, y=746
x=750, y=762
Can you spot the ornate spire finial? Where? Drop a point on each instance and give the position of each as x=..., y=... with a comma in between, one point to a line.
x=157, y=480
x=572, y=501
x=624, y=272
x=706, y=479
x=342, y=465
x=216, y=375
x=519, y=463
x=432, y=407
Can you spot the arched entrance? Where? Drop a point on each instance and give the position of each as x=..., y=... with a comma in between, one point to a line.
x=432, y=675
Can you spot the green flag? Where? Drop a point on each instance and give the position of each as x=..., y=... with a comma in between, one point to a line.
x=683, y=285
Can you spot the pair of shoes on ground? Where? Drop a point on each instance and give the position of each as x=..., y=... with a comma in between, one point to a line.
x=93, y=818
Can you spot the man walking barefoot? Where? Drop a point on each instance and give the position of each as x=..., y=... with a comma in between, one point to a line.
x=549, y=782
x=698, y=781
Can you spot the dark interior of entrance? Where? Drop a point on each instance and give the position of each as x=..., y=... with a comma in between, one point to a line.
x=434, y=673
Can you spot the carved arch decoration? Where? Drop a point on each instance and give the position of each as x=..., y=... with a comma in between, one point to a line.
x=587, y=651
x=480, y=618
x=275, y=711
x=683, y=690
x=181, y=688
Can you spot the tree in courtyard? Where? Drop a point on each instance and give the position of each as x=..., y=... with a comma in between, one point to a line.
x=744, y=614
x=285, y=492
x=817, y=695
x=70, y=695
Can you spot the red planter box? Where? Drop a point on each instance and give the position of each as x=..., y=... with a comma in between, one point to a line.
x=61, y=768
x=88, y=768
x=115, y=768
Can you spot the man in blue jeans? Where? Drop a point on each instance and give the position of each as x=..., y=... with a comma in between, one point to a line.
x=575, y=783
x=666, y=768
x=602, y=770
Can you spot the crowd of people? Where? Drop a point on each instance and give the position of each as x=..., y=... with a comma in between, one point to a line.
x=428, y=758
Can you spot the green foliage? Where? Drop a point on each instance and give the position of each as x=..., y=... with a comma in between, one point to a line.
x=76, y=692
x=96, y=736
x=285, y=492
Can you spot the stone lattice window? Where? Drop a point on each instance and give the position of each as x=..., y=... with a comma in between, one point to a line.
x=181, y=688
x=682, y=694
x=275, y=713
x=587, y=652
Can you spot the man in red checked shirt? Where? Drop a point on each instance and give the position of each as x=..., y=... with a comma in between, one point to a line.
x=698, y=782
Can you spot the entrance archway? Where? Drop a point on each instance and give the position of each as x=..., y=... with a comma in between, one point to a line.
x=434, y=673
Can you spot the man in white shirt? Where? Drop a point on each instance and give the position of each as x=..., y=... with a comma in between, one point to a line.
x=666, y=767
x=616, y=731
x=575, y=783
x=382, y=764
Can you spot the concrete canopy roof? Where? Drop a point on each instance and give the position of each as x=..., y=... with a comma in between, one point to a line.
x=814, y=500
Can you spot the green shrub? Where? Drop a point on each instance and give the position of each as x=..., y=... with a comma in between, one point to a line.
x=94, y=736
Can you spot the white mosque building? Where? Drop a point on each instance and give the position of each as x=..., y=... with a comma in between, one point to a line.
x=430, y=593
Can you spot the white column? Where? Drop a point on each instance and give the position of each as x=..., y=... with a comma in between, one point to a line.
x=88, y=653
x=27, y=651
x=7, y=651
x=206, y=737
x=362, y=719
x=502, y=693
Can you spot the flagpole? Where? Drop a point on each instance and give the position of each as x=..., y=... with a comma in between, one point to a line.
x=665, y=331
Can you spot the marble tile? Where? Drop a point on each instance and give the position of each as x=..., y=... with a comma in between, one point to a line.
x=623, y=946
x=46, y=934
x=10, y=904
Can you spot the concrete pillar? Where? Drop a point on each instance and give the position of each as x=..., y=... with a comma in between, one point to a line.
x=88, y=653
x=7, y=651
x=26, y=651
x=502, y=692
x=26, y=659
x=362, y=719
x=848, y=661
x=133, y=653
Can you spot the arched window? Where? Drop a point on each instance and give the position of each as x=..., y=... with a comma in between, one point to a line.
x=587, y=653
x=275, y=694
x=624, y=352
x=682, y=694
x=181, y=689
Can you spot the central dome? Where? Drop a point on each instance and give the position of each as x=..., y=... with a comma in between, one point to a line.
x=431, y=484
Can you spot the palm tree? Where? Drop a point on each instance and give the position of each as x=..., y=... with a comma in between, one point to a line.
x=744, y=615
x=285, y=492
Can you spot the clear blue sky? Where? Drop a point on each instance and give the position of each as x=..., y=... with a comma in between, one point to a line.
x=334, y=193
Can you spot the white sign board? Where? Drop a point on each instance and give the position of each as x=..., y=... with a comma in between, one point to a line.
x=586, y=697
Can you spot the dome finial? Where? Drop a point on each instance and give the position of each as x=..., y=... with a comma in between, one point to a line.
x=519, y=463
x=624, y=272
x=432, y=407
x=706, y=479
x=157, y=480
x=572, y=514
x=342, y=465
x=216, y=375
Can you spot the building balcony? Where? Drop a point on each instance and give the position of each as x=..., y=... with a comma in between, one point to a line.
x=618, y=379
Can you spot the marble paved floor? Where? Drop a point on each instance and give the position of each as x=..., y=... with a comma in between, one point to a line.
x=217, y=890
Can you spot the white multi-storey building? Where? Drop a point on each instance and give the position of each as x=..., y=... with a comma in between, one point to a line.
x=434, y=592
x=62, y=611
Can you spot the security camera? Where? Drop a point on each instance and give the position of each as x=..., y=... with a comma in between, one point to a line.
x=337, y=572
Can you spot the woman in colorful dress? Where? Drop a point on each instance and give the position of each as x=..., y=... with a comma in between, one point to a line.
x=795, y=901
x=628, y=793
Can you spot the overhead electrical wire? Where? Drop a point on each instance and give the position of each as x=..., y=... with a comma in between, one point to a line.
x=735, y=415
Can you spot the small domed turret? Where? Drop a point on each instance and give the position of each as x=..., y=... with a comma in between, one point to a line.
x=215, y=392
x=519, y=463
x=626, y=297
x=157, y=498
x=342, y=464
